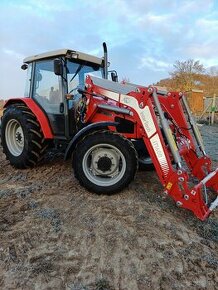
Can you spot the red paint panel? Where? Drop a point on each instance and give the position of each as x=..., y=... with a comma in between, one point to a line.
x=40, y=115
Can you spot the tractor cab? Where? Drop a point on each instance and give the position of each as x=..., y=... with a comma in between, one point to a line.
x=53, y=80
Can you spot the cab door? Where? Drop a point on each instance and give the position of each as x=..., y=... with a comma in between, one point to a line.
x=48, y=93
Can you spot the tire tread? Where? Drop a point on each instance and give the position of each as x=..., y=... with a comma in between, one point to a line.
x=35, y=139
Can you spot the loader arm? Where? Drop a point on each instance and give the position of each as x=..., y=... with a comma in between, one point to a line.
x=189, y=140
x=151, y=110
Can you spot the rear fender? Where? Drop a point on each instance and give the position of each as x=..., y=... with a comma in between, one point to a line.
x=37, y=111
x=85, y=131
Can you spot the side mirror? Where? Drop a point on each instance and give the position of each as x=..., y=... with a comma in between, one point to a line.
x=58, y=67
x=24, y=66
x=114, y=76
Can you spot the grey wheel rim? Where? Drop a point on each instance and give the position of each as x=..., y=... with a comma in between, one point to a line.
x=14, y=137
x=104, y=165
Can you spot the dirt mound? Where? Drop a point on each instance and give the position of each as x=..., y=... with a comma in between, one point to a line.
x=56, y=235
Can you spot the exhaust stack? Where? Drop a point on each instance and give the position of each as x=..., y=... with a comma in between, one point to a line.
x=105, y=61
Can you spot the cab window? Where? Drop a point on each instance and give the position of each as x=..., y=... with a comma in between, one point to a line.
x=47, y=87
x=76, y=75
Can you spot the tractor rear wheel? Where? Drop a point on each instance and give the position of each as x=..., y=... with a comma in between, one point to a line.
x=105, y=162
x=22, y=139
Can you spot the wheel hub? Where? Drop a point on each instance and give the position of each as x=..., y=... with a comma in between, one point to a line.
x=104, y=164
x=104, y=161
x=19, y=136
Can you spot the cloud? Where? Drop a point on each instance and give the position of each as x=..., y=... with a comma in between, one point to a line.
x=13, y=54
x=144, y=37
x=153, y=63
x=208, y=26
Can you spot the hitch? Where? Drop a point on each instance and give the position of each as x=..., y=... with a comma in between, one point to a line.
x=195, y=198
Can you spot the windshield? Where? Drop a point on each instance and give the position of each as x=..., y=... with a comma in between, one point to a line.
x=76, y=75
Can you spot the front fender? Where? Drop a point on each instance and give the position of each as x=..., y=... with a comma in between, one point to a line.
x=37, y=111
x=85, y=131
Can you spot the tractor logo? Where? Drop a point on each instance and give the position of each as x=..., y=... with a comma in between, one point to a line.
x=126, y=100
x=146, y=118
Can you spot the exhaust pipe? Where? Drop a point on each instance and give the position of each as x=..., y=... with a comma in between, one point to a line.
x=105, y=61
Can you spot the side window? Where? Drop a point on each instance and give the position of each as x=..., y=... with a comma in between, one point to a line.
x=28, y=81
x=47, y=89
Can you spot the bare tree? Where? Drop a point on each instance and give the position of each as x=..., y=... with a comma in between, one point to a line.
x=187, y=74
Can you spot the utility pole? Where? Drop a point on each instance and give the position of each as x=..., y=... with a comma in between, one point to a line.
x=213, y=109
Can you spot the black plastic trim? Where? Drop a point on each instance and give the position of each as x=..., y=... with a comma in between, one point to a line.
x=95, y=126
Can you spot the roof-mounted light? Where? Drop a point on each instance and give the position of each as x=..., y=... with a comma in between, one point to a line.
x=74, y=55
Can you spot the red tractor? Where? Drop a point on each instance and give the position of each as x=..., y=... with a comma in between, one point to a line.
x=108, y=128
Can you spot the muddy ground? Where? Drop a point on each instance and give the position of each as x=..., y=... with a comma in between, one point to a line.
x=56, y=235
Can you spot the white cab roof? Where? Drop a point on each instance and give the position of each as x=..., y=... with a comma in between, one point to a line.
x=72, y=54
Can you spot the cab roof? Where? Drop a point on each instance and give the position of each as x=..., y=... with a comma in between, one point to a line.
x=68, y=53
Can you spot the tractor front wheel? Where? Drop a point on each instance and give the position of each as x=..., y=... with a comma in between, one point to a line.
x=105, y=162
x=22, y=139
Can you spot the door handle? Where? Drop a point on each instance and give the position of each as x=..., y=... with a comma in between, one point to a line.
x=61, y=108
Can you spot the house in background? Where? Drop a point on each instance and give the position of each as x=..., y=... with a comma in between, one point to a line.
x=195, y=100
x=202, y=107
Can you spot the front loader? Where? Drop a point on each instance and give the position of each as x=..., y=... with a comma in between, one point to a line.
x=108, y=128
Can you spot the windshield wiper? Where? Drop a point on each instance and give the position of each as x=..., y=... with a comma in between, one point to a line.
x=77, y=71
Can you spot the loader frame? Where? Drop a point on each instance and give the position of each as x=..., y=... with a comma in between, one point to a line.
x=164, y=121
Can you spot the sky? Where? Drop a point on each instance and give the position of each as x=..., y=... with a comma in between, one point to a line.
x=144, y=37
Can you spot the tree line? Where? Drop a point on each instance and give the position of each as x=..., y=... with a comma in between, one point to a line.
x=191, y=74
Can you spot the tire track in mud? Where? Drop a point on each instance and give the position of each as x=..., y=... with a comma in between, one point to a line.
x=56, y=235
